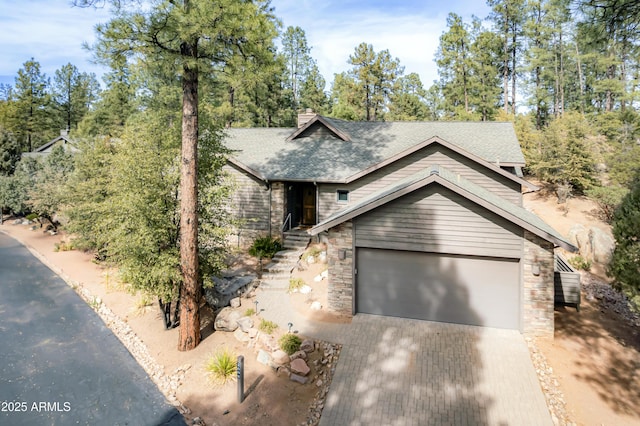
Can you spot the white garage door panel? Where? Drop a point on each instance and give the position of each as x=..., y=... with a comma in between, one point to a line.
x=436, y=287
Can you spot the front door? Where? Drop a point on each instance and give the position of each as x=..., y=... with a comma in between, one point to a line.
x=309, y=205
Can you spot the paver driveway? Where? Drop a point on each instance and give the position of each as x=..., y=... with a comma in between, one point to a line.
x=403, y=372
x=60, y=364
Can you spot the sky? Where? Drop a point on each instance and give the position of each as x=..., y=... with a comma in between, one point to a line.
x=52, y=32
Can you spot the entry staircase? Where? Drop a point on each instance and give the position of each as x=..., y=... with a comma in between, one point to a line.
x=275, y=276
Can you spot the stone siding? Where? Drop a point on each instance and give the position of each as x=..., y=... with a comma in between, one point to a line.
x=340, y=281
x=278, y=208
x=538, y=289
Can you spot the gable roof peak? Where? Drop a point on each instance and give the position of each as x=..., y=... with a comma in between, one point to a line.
x=318, y=120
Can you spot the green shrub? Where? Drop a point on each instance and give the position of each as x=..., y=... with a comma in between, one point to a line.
x=32, y=216
x=579, y=262
x=608, y=199
x=64, y=246
x=625, y=260
x=267, y=326
x=295, y=284
x=290, y=343
x=265, y=247
x=249, y=312
x=221, y=367
x=312, y=251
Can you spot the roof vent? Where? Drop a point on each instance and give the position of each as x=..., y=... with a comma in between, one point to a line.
x=305, y=117
x=435, y=170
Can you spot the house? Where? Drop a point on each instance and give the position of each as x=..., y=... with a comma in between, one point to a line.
x=421, y=219
x=63, y=140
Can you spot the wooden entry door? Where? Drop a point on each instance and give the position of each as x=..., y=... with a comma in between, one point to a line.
x=309, y=205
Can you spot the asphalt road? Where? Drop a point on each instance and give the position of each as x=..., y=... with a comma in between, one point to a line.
x=59, y=363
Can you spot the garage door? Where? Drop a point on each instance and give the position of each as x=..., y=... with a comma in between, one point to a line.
x=437, y=287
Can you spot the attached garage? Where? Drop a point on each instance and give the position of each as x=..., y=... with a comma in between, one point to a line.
x=434, y=255
x=438, y=287
x=437, y=247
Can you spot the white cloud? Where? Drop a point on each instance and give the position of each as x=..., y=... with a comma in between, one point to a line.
x=409, y=29
x=52, y=32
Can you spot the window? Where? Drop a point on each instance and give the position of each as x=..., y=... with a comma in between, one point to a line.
x=343, y=195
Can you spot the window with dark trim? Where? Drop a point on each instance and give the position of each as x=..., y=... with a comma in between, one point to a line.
x=343, y=195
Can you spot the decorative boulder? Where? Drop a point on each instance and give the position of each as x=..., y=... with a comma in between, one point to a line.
x=308, y=346
x=299, y=366
x=227, y=320
x=296, y=378
x=602, y=245
x=235, y=302
x=241, y=336
x=299, y=354
x=316, y=306
x=280, y=357
x=268, y=342
x=227, y=288
x=245, y=324
x=264, y=358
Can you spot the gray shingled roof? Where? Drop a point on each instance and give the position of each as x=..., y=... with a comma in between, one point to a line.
x=510, y=211
x=329, y=159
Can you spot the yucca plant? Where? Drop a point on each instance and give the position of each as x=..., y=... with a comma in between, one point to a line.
x=221, y=367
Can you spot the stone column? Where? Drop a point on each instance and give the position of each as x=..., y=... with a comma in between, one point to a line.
x=537, y=276
x=340, y=281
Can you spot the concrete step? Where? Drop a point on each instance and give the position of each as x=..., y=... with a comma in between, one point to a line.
x=278, y=267
x=283, y=275
x=274, y=284
x=287, y=256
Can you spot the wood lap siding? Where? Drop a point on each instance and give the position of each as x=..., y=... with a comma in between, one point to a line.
x=435, y=219
x=250, y=201
x=414, y=163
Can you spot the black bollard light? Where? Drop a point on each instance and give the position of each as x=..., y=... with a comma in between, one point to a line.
x=240, y=372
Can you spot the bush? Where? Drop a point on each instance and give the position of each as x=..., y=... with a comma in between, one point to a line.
x=295, y=284
x=608, y=200
x=625, y=260
x=290, y=343
x=579, y=262
x=64, y=246
x=221, y=367
x=265, y=247
x=267, y=326
x=249, y=312
x=32, y=216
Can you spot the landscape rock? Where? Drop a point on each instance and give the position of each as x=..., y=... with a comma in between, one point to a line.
x=245, y=324
x=241, y=336
x=268, y=342
x=265, y=358
x=594, y=244
x=235, y=302
x=311, y=259
x=227, y=288
x=252, y=333
x=280, y=357
x=299, y=366
x=227, y=320
x=305, y=289
x=316, y=306
x=299, y=354
x=602, y=245
x=296, y=378
x=308, y=346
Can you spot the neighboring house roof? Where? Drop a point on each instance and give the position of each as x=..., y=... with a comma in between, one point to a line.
x=332, y=150
x=439, y=175
x=46, y=149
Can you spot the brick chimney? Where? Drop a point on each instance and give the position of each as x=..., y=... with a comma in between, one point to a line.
x=305, y=117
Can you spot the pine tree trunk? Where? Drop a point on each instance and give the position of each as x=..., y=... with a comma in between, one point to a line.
x=189, y=332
